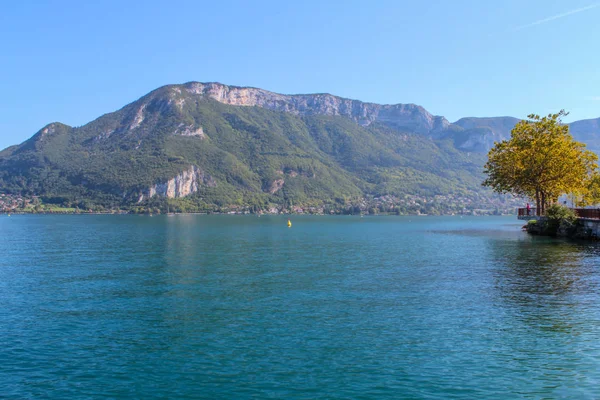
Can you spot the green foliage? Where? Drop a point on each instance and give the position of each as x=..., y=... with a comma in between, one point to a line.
x=558, y=215
x=541, y=161
x=591, y=194
x=557, y=212
x=244, y=151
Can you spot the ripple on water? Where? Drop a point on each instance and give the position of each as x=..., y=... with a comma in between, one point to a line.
x=241, y=307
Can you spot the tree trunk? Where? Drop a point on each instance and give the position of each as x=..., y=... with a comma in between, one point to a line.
x=543, y=203
x=537, y=202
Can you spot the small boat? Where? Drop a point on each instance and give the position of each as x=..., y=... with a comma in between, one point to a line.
x=289, y=223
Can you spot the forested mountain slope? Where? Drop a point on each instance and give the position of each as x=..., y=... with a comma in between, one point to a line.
x=215, y=145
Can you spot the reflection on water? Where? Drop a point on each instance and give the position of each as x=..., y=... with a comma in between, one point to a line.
x=548, y=290
x=545, y=270
x=341, y=307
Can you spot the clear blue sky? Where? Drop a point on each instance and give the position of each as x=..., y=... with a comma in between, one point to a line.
x=72, y=61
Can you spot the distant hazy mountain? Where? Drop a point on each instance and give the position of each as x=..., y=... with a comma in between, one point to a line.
x=479, y=134
x=587, y=131
x=218, y=144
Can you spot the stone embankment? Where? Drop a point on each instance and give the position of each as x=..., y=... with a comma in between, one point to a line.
x=583, y=228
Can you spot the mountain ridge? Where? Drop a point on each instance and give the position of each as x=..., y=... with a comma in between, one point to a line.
x=209, y=145
x=361, y=112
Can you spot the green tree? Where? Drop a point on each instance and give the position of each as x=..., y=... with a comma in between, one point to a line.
x=592, y=194
x=559, y=215
x=541, y=161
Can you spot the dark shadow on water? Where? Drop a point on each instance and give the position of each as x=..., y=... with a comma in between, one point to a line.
x=546, y=282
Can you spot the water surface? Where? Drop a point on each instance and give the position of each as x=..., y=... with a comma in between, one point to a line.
x=192, y=306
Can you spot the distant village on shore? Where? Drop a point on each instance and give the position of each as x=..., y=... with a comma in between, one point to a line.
x=474, y=204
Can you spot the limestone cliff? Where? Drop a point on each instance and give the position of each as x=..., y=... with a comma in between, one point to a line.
x=404, y=116
x=184, y=184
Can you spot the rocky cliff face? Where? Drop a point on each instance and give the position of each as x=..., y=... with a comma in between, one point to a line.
x=402, y=116
x=184, y=184
x=469, y=134
x=50, y=130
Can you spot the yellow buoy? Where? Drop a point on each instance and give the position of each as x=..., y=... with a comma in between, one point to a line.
x=289, y=223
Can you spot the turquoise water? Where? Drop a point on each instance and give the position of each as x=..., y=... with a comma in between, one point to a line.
x=235, y=307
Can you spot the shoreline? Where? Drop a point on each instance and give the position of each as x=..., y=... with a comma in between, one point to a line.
x=247, y=214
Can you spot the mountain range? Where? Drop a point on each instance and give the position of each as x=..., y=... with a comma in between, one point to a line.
x=207, y=145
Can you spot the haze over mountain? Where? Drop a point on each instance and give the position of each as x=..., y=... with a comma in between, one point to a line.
x=212, y=144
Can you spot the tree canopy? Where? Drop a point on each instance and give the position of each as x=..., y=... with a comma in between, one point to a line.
x=541, y=160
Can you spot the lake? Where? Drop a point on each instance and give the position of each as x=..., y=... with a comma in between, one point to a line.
x=236, y=307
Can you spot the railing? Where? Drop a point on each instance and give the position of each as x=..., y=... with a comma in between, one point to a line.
x=523, y=212
x=588, y=213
